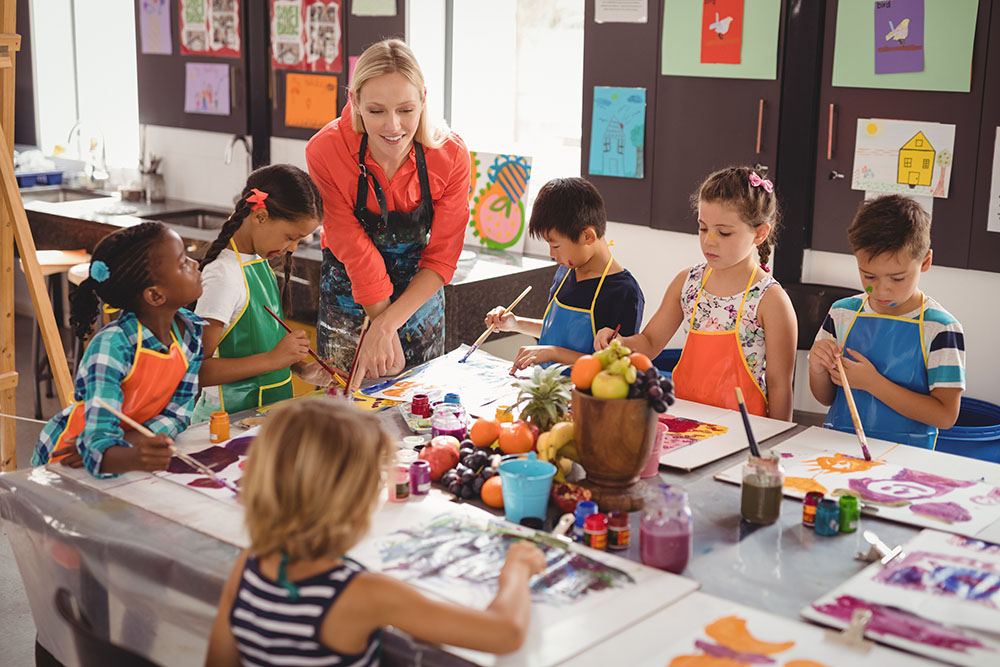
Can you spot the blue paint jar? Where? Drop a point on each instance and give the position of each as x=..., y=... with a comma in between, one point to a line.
x=451, y=397
x=827, y=518
x=584, y=508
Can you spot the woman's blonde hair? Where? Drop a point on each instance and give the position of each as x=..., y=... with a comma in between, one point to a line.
x=312, y=478
x=387, y=57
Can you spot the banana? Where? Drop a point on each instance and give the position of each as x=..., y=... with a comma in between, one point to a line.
x=544, y=447
x=569, y=451
x=563, y=467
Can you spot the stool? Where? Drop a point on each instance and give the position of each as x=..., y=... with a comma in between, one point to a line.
x=53, y=264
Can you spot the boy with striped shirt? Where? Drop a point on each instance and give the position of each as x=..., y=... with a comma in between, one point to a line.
x=902, y=352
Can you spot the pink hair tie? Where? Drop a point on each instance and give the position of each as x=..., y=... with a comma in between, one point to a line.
x=759, y=182
x=257, y=199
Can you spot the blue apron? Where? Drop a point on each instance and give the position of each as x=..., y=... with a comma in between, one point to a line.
x=400, y=239
x=895, y=346
x=569, y=327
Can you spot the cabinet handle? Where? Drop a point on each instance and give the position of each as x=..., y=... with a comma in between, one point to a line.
x=834, y=175
x=760, y=123
x=829, y=132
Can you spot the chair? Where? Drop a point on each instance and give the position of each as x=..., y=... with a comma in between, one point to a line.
x=811, y=303
x=92, y=650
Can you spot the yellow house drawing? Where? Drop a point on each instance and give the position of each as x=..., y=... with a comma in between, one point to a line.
x=916, y=161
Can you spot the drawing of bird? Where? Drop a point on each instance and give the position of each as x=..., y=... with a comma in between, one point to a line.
x=899, y=32
x=721, y=27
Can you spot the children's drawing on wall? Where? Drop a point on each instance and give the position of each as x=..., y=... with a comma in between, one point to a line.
x=154, y=27
x=903, y=157
x=899, y=36
x=210, y=27
x=617, y=132
x=682, y=432
x=323, y=35
x=497, y=187
x=310, y=99
x=306, y=35
x=206, y=88
x=993, y=218
x=722, y=31
x=286, y=33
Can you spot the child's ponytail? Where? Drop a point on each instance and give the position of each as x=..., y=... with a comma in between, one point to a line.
x=229, y=228
x=84, y=308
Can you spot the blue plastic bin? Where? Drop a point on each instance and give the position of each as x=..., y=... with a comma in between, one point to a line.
x=666, y=360
x=976, y=434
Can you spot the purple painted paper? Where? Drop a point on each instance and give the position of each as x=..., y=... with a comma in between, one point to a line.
x=206, y=88
x=905, y=486
x=154, y=27
x=899, y=36
x=947, y=511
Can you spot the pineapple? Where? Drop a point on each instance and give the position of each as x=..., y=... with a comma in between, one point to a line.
x=544, y=398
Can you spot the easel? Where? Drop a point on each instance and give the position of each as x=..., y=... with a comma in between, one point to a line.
x=14, y=227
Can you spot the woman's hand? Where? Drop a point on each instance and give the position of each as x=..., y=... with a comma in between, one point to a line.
x=381, y=353
x=313, y=374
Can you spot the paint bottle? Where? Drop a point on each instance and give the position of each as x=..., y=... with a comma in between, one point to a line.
x=809, y=504
x=404, y=457
x=452, y=397
x=849, y=514
x=449, y=419
x=595, y=531
x=421, y=405
x=504, y=414
x=827, y=518
x=665, y=529
x=584, y=508
x=399, y=483
x=414, y=441
x=218, y=427
x=763, y=479
x=420, y=478
x=619, y=533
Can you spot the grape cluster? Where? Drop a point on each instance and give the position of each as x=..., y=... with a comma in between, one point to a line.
x=467, y=478
x=615, y=360
x=657, y=389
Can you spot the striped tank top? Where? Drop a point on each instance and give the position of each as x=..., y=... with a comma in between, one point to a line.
x=271, y=628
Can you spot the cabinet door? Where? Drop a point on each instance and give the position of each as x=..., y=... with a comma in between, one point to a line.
x=984, y=250
x=835, y=203
x=704, y=124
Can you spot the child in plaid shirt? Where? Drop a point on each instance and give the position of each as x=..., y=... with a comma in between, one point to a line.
x=144, y=364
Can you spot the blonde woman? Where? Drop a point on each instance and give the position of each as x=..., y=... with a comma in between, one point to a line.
x=311, y=483
x=396, y=200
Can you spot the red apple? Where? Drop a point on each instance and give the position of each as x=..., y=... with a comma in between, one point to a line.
x=441, y=454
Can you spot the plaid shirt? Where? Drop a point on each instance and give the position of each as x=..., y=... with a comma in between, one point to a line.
x=105, y=364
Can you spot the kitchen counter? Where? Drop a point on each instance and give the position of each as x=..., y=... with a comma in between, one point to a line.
x=484, y=278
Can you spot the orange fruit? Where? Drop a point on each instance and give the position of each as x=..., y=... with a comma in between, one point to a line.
x=516, y=437
x=492, y=492
x=584, y=371
x=640, y=361
x=484, y=432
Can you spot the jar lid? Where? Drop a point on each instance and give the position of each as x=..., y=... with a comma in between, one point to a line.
x=405, y=456
x=451, y=397
x=585, y=508
x=618, y=519
x=413, y=441
x=595, y=522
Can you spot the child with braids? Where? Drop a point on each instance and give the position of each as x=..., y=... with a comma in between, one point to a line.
x=247, y=353
x=740, y=325
x=144, y=364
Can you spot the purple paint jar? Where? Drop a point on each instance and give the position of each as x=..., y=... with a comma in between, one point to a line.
x=420, y=478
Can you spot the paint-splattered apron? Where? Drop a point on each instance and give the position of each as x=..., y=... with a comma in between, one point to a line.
x=400, y=239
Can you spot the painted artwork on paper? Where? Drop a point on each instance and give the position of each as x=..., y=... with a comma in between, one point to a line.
x=307, y=35
x=899, y=36
x=497, y=188
x=722, y=31
x=154, y=27
x=617, y=132
x=206, y=88
x=310, y=99
x=682, y=432
x=904, y=157
x=225, y=460
x=210, y=27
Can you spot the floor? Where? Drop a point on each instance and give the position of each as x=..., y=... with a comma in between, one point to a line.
x=18, y=643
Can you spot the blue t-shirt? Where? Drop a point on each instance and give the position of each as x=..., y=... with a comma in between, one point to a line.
x=620, y=301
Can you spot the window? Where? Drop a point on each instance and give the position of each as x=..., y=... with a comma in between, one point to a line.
x=516, y=83
x=927, y=163
x=907, y=162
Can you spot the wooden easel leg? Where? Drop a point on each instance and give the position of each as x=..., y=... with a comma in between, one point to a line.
x=8, y=370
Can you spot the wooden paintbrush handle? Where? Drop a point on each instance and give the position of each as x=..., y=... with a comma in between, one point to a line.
x=855, y=417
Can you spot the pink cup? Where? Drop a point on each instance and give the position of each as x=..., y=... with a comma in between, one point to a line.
x=653, y=465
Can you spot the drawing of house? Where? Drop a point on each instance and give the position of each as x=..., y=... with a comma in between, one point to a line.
x=916, y=162
x=614, y=148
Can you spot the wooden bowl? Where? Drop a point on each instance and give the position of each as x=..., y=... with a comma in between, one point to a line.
x=614, y=438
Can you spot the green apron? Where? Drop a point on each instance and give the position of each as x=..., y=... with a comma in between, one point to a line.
x=252, y=332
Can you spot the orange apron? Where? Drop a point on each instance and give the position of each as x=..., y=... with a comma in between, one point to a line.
x=146, y=390
x=712, y=364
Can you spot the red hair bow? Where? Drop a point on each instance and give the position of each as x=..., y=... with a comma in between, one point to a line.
x=758, y=182
x=257, y=199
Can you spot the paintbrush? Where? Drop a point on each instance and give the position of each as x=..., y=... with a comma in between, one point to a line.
x=754, y=449
x=855, y=417
x=354, y=362
x=186, y=458
x=486, y=334
x=614, y=334
x=337, y=374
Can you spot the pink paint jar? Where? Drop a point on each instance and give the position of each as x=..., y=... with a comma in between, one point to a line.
x=665, y=530
x=653, y=465
x=421, y=405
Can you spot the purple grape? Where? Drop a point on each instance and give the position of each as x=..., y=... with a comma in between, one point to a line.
x=455, y=487
x=652, y=373
x=467, y=476
x=660, y=406
x=477, y=484
x=487, y=473
x=466, y=491
x=655, y=392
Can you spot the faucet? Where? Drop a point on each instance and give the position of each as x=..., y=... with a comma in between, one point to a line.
x=239, y=139
x=96, y=164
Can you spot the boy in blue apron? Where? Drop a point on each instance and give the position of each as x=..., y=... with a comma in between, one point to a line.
x=590, y=290
x=903, y=354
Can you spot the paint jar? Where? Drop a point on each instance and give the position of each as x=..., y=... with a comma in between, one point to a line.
x=404, y=457
x=665, y=529
x=619, y=533
x=218, y=427
x=504, y=414
x=452, y=397
x=809, y=504
x=827, y=518
x=595, y=531
x=420, y=478
x=448, y=419
x=760, y=499
x=414, y=441
x=399, y=483
x=584, y=508
x=849, y=514
x=421, y=405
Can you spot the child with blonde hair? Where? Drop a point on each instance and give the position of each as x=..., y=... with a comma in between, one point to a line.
x=311, y=484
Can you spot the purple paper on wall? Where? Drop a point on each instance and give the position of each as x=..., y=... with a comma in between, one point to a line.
x=899, y=36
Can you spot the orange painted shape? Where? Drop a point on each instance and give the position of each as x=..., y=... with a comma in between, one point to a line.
x=804, y=484
x=731, y=632
x=804, y=663
x=704, y=661
x=841, y=463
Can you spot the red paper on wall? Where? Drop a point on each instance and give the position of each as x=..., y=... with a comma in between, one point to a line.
x=307, y=35
x=210, y=27
x=722, y=31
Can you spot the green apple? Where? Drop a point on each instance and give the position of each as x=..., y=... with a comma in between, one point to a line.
x=609, y=385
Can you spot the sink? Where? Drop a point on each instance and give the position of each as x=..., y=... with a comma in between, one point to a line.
x=197, y=218
x=59, y=194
